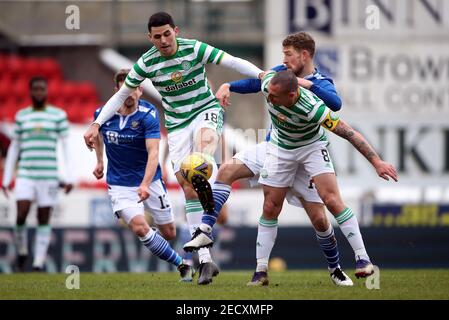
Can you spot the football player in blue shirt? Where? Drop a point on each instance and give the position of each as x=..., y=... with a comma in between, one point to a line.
x=131, y=138
x=298, y=52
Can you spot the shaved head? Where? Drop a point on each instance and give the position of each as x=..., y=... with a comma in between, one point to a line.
x=286, y=79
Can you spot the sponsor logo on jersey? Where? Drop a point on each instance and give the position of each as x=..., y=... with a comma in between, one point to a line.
x=181, y=85
x=176, y=76
x=37, y=128
x=116, y=138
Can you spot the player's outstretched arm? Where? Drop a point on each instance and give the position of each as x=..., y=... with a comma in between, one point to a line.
x=99, y=167
x=325, y=90
x=240, y=65
x=109, y=109
x=10, y=164
x=251, y=85
x=383, y=169
x=152, y=146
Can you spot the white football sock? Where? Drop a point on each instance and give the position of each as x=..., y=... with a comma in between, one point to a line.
x=194, y=214
x=266, y=236
x=41, y=243
x=350, y=228
x=21, y=239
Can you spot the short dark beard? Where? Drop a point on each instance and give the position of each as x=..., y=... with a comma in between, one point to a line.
x=38, y=104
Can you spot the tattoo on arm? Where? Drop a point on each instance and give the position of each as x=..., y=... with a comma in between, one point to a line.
x=345, y=131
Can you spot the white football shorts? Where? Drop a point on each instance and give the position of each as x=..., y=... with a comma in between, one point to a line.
x=181, y=142
x=43, y=192
x=302, y=186
x=127, y=198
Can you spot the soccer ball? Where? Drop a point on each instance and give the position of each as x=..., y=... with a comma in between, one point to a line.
x=196, y=163
x=277, y=264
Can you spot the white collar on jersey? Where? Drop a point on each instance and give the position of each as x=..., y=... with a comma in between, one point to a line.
x=124, y=119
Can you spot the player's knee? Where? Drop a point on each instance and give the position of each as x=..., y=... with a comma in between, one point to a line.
x=226, y=173
x=168, y=233
x=331, y=201
x=319, y=222
x=189, y=192
x=140, y=229
x=21, y=219
x=271, y=209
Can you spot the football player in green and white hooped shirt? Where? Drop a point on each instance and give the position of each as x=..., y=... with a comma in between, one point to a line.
x=38, y=129
x=298, y=140
x=193, y=116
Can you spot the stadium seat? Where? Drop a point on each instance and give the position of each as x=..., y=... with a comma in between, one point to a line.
x=19, y=88
x=87, y=92
x=50, y=68
x=14, y=65
x=79, y=99
x=32, y=67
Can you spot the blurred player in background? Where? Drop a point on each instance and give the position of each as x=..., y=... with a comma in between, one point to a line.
x=34, y=144
x=193, y=116
x=298, y=51
x=298, y=142
x=134, y=176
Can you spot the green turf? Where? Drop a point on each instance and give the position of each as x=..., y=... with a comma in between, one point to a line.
x=394, y=284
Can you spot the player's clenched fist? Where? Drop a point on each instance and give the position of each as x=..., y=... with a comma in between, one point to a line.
x=143, y=193
x=91, y=136
x=99, y=170
x=223, y=95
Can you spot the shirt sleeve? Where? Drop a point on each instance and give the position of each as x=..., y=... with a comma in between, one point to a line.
x=96, y=113
x=207, y=53
x=330, y=120
x=137, y=74
x=250, y=85
x=63, y=125
x=151, y=124
x=325, y=90
x=17, y=128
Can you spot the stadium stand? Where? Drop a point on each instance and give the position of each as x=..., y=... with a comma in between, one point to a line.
x=79, y=99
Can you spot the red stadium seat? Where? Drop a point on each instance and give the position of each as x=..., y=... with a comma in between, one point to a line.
x=79, y=99
x=8, y=112
x=19, y=88
x=32, y=67
x=54, y=89
x=5, y=88
x=50, y=68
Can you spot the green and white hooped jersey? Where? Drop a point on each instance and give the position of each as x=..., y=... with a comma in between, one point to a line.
x=38, y=133
x=299, y=125
x=180, y=79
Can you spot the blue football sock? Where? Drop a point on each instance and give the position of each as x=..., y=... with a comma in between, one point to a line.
x=328, y=244
x=161, y=248
x=221, y=193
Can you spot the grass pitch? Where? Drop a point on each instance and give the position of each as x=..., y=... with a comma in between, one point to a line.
x=394, y=284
